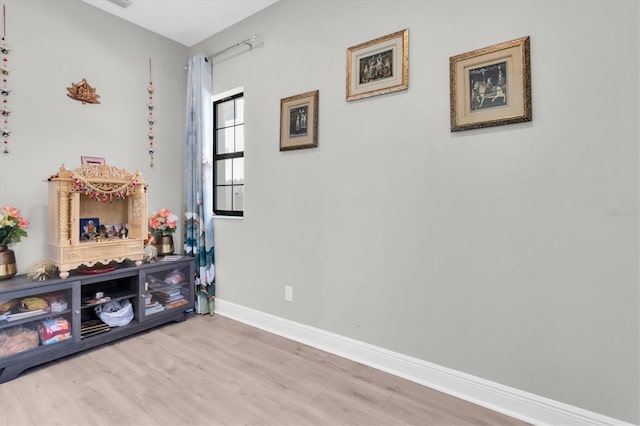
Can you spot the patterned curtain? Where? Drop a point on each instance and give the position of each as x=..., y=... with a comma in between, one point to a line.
x=198, y=220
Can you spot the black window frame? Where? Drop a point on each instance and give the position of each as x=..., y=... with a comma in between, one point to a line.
x=226, y=156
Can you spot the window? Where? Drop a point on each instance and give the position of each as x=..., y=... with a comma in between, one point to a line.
x=228, y=144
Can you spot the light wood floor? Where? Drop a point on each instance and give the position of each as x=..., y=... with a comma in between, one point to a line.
x=211, y=370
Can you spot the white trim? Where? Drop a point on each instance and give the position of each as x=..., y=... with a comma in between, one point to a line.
x=522, y=405
x=226, y=93
x=221, y=216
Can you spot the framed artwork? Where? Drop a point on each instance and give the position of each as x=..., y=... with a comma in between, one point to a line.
x=92, y=161
x=89, y=228
x=299, y=121
x=378, y=66
x=491, y=86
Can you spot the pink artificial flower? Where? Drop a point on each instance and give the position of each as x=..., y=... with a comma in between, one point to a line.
x=12, y=226
x=163, y=221
x=154, y=223
x=11, y=211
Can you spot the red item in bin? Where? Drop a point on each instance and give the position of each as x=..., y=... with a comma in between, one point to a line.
x=54, y=330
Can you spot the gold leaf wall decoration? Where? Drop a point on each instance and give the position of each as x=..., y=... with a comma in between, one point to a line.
x=83, y=92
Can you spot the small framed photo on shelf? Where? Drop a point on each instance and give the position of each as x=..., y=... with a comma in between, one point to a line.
x=299, y=121
x=117, y=230
x=491, y=86
x=89, y=228
x=92, y=161
x=378, y=66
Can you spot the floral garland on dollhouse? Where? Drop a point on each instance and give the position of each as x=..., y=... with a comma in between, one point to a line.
x=104, y=195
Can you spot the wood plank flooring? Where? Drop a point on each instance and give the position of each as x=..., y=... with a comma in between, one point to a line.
x=211, y=370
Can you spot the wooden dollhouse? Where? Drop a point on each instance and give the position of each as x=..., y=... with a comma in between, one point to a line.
x=111, y=201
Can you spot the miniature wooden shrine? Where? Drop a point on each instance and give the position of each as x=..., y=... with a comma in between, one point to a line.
x=97, y=215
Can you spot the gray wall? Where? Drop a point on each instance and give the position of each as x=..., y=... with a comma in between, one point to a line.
x=57, y=43
x=509, y=253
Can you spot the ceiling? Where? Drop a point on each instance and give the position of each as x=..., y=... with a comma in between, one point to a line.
x=187, y=22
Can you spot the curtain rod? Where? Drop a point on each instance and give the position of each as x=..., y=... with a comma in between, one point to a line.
x=248, y=42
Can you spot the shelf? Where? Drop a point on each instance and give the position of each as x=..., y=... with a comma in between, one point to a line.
x=125, y=282
x=31, y=318
x=38, y=350
x=113, y=297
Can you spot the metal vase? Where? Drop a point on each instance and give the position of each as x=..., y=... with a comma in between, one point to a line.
x=164, y=244
x=8, y=266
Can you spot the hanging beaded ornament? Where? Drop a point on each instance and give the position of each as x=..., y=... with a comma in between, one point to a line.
x=4, y=90
x=150, y=120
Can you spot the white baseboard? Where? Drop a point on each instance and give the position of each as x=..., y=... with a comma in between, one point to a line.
x=506, y=400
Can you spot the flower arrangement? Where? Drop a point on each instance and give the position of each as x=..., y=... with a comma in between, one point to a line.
x=163, y=222
x=11, y=226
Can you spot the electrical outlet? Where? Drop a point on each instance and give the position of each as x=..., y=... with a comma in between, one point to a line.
x=288, y=293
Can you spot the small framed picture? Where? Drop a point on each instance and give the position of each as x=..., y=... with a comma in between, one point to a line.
x=299, y=121
x=491, y=86
x=92, y=161
x=89, y=228
x=378, y=66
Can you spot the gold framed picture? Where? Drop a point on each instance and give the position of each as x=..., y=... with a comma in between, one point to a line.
x=299, y=121
x=378, y=66
x=491, y=86
x=92, y=161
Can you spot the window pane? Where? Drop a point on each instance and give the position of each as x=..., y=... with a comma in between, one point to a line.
x=240, y=138
x=224, y=140
x=223, y=197
x=224, y=172
x=225, y=113
x=240, y=111
x=229, y=143
x=238, y=198
x=238, y=170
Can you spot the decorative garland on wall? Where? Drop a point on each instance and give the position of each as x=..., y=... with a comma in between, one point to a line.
x=5, y=90
x=150, y=119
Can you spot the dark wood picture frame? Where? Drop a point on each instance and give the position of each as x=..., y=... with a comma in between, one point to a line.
x=299, y=121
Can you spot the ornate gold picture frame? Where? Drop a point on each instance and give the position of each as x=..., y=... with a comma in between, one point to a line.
x=378, y=66
x=491, y=86
x=299, y=121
